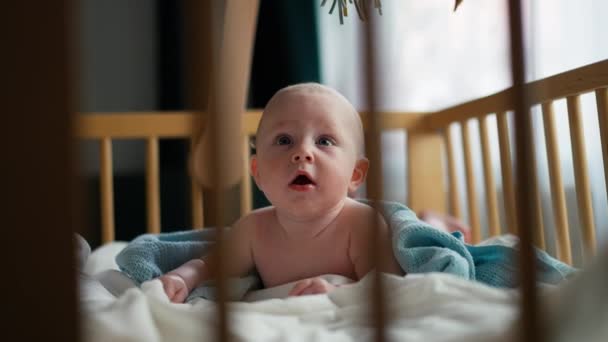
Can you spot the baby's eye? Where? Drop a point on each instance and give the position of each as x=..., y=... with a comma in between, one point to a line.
x=283, y=140
x=325, y=141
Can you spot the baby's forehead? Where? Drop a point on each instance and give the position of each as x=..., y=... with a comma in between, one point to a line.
x=305, y=96
x=311, y=102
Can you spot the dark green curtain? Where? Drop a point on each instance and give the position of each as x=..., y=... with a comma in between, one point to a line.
x=286, y=48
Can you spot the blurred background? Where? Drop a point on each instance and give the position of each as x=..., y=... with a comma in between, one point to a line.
x=132, y=58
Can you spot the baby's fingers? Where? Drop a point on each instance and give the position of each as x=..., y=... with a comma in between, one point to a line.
x=179, y=296
x=319, y=286
x=299, y=288
x=174, y=288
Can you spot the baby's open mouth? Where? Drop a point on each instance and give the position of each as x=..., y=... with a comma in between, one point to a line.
x=302, y=180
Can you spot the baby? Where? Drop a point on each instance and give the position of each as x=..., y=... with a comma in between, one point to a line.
x=309, y=156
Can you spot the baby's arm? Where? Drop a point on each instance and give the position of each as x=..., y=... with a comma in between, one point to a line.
x=361, y=250
x=179, y=282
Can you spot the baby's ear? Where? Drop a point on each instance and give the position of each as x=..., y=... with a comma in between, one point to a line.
x=253, y=168
x=359, y=174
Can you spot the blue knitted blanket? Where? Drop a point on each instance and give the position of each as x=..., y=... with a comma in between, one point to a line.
x=421, y=248
x=418, y=247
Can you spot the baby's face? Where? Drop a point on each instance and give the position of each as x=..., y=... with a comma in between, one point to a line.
x=307, y=152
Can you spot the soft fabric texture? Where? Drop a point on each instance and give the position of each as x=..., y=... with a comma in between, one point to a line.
x=149, y=256
x=418, y=247
x=427, y=307
x=444, y=308
x=83, y=250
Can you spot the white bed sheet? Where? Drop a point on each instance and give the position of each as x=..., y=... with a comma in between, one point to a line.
x=437, y=307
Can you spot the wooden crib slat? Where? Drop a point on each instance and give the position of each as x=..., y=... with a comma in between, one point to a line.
x=506, y=166
x=557, y=188
x=426, y=189
x=106, y=184
x=196, y=196
x=246, y=204
x=471, y=189
x=493, y=219
x=455, y=208
x=537, y=217
x=583, y=189
x=601, y=97
x=152, y=186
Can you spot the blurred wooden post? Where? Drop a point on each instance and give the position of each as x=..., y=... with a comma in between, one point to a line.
x=218, y=155
x=374, y=180
x=38, y=192
x=529, y=319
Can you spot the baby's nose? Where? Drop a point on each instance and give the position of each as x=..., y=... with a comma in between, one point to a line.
x=301, y=156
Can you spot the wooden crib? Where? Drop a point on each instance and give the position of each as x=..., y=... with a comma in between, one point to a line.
x=430, y=151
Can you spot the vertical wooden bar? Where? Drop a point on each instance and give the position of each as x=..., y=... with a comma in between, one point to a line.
x=246, y=182
x=196, y=196
x=470, y=178
x=583, y=189
x=152, y=186
x=508, y=186
x=426, y=188
x=230, y=70
x=601, y=98
x=530, y=320
x=488, y=171
x=39, y=199
x=538, y=235
x=106, y=183
x=560, y=212
x=374, y=181
x=455, y=208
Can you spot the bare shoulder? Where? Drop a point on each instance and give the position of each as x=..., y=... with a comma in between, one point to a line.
x=255, y=220
x=370, y=222
x=363, y=215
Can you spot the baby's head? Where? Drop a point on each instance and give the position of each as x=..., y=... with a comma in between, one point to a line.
x=309, y=148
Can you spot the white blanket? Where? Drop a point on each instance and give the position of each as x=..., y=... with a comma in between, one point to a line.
x=436, y=307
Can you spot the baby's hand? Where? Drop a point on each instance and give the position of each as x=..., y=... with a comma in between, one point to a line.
x=175, y=287
x=310, y=286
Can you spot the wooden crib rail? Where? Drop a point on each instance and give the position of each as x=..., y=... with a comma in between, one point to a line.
x=569, y=85
x=153, y=126
x=577, y=81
